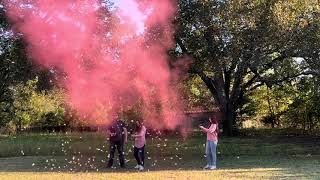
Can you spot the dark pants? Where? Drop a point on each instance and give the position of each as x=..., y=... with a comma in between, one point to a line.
x=112, y=148
x=139, y=155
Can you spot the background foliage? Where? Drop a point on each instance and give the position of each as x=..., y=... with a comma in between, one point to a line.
x=255, y=60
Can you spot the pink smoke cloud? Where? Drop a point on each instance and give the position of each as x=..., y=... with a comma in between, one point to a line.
x=112, y=57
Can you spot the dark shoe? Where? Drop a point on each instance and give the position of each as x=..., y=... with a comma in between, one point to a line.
x=110, y=162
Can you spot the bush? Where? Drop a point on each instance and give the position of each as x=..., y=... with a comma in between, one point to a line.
x=29, y=107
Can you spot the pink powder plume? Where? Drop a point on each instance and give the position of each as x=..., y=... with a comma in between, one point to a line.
x=113, y=56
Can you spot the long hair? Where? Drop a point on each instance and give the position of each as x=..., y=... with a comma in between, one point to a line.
x=139, y=125
x=214, y=120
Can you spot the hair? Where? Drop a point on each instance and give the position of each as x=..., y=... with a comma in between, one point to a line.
x=139, y=125
x=214, y=120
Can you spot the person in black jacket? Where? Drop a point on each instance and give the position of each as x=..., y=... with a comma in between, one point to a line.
x=118, y=136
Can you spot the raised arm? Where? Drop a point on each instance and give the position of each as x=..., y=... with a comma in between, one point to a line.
x=211, y=130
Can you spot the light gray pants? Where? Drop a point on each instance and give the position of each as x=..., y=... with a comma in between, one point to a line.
x=211, y=152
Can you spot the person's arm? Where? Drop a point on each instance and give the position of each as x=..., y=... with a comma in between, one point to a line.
x=204, y=129
x=211, y=130
x=141, y=133
x=109, y=133
x=125, y=135
x=137, y=135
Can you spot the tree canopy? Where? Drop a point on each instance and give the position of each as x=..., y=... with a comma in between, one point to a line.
x=249, y=56
x=240, y=45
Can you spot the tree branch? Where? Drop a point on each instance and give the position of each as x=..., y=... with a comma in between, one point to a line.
x=212, y=87
x=269, y=83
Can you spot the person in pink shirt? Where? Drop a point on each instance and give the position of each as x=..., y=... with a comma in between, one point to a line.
x=139, y=144
x=211, y=145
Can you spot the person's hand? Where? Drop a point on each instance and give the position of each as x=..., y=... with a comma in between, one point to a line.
x=201, y=127
x=126, y=141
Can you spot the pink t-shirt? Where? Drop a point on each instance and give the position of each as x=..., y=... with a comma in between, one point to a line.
x=140, y=141
x=212, y=134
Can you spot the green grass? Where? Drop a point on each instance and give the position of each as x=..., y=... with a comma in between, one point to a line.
x=84, y=155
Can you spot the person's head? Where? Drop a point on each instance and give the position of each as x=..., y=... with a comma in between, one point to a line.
x=213, y=120
x=139, y=124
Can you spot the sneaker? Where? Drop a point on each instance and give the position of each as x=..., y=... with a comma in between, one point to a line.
x=141, y=168
x=137, y=166
x=212, y=167
x=206, y=167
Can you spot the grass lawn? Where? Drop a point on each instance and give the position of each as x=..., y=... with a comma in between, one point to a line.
x=83, y=156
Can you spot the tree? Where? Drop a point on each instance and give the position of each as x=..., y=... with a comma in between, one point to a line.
x=239, y=45
x=31, y=107
x=272, y=104
x=16, y=69
x=304, y=111
x=196, y=94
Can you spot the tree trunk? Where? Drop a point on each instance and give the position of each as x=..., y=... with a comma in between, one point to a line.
x=19, y=127
x=221, y=96
x=228, y=120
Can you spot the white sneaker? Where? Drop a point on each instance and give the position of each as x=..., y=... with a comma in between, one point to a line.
x=137, y=166
x=141, y=168
x=206, y=167
x=212, y=167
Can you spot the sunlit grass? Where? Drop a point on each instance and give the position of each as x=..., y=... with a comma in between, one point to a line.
x=253, y=173
x=256, y=173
